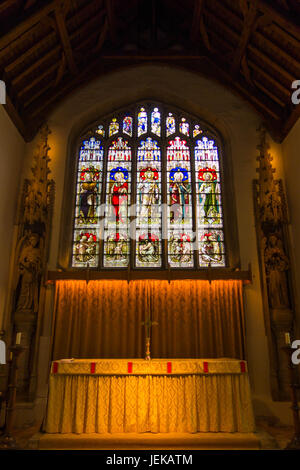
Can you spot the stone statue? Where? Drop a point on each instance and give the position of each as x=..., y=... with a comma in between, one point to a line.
x=272, y=207
x=29, y=270
x=277, y=264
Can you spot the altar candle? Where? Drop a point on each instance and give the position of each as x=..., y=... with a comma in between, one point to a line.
x=287, y=339
x=18, y=338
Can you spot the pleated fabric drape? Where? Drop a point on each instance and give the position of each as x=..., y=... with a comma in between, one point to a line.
x=103, y=319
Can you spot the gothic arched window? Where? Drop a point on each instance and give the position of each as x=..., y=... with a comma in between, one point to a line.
x=149, y=193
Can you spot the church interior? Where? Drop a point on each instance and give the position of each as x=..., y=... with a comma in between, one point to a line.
x=150, y=214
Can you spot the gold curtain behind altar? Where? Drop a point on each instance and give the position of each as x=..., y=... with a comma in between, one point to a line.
x=102, y=319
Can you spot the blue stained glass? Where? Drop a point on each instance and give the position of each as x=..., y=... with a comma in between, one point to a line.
x=170, y=124
x=142, y=122
x=91, y=151
x=149, y=150
x=155, y=122
x=127, y=125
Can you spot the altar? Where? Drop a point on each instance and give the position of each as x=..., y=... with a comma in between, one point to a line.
x=156, y=396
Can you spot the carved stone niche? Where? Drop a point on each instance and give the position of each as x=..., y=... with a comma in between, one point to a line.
x=275, y=267
x=31, y=253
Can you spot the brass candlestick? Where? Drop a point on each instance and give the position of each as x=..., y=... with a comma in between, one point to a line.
x=148, y=349
x=148, y=323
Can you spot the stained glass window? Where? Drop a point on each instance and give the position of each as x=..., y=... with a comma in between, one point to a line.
x=150, y=198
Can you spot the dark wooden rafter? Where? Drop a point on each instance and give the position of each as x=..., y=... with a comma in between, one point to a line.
x=262, y=56
x=110, y=9
x=284, y=20
x=25, y=26
x=251, y=15
x=6, y=4
x=252, y=46
x=60, y=12
x=39, y=63
x=198, y=26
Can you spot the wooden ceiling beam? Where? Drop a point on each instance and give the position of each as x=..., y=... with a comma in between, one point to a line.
x=252, y=95
x=64, y=37
x=284, y=91
x=284, y=20
x=229, y=32
x=6, y=4
x=280, y=52
x=20, y=59
x=36, y=81
x=111, y=20
x=250, y=22
x=197, y=15
x=268, y=92
x=35, y=65
x=25, y=25
x=57, y=49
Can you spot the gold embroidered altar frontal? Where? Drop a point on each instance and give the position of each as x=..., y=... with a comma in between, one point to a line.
x=159, y=396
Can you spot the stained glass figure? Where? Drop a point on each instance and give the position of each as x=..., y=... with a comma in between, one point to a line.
x=89, y=184
x=148, y=250
x=116, y=252
x=113, y=127
x=211, y=248
x=179, y=183
x=85, y=249
x=184, y=127
x=117, y=203
x=149, y=195
x=118, y=191
x=89, y=195
x=197, y=130
x=148, y=200
x=127, y=125
x=209, y=196
x=142, y=122
x=209, y=203
x=170, y=124
x=155, y=122
x=180, y=249
x=100, y=130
